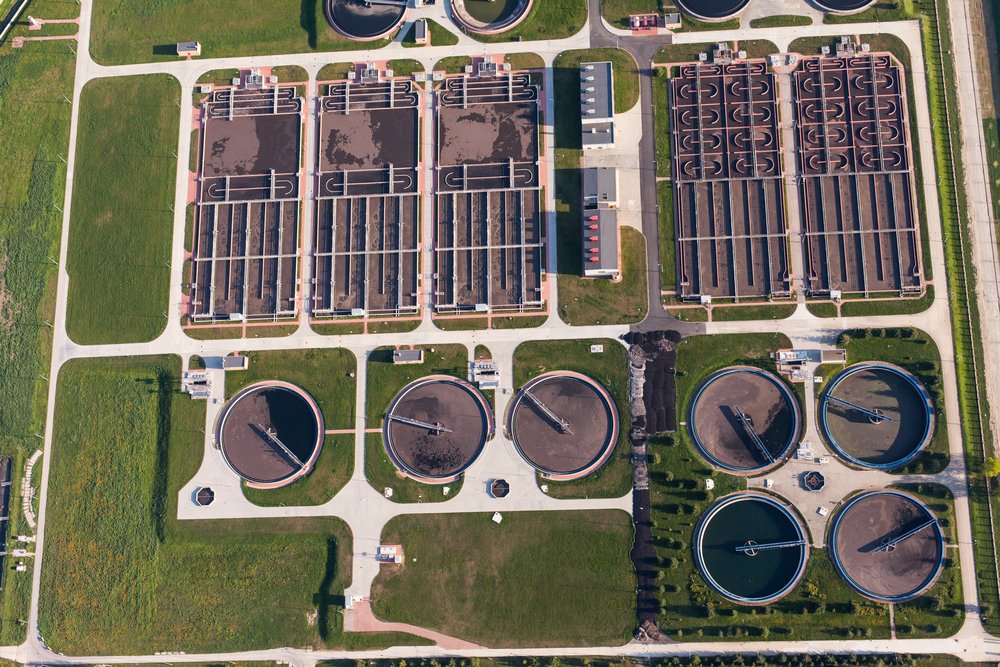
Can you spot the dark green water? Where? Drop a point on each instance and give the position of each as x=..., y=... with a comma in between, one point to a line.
x=746, y=576
x=489, y=12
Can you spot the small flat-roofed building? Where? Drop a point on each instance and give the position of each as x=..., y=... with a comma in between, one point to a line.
x=672, y=21
x=420, y=31
x=189, y=49
x=600, y=244
x=407, y=356
x=600, y=186
x=235, y=363
x=597, y=105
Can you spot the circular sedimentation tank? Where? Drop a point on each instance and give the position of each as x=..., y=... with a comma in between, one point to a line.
x=436, y=427
x=563, y=424
x=751, y=548
x=713, y=10
x=722, y=436
x=844, y=6
x=270, y=434
x=876, y=415
x=869, y=554
x=363, y=20
x=488, y=17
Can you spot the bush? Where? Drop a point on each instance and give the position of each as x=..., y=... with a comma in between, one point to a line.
x=843, y=339
x=878, y=333
x=709, y=610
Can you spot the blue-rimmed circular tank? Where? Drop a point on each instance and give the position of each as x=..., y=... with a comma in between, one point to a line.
x=743, y=420
x=751, y=548
x=712, y=10
x=887, y=545
x=876, y=415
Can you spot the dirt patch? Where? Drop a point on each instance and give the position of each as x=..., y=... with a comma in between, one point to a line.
x=659, y=393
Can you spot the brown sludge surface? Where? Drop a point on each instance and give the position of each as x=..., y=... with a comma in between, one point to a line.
x=544, y=443
x=721, y=433
x=446, y=453
x=900, y=571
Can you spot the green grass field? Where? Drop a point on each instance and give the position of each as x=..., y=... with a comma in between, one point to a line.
x=610, y=368
x=907, y=306
x=761, y=312
x=136, y=31
x=325, y=374
x=616, y=12
x=919, y=355
x=537, y=579
x=780, y=21
x=385, y=379
x=34, y=139
x=121, y=225
x=122, y=575
x=822, y=308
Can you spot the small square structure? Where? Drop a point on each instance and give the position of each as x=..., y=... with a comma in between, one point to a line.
x=189, y=48
x=600, y=186
x=407, y=356
x=496, y=517
x=672, y=21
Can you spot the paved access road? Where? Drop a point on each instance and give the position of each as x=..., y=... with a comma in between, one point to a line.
x=360, y=504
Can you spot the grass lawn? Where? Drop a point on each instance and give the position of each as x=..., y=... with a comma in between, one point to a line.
x=122, y=576
x=668, y=263
x=121, y=225
x=439, y=36
x=537, y=579
x=552, y=19
x=584, y=301
x=610, y=368
x=460, y=323
x=452, y=64
x=940, y=611
x=214, y=333
x=888, y=10
x=780, y=21
x=518, y=321
x=35, y=132
x=334, y=72
x=290, y=74
x=872, y=307
x=688, y=314
x=271, y=330
x=385, y=379
x=682, y=53
x=689, y=24
x=616, y=12
x=822, y=308
x=919, y=355
x=134, y=31
x=762, y=312
x=405, y=66
x=757, y=48
x=333, y=470
x=661, y=121
x=324, y=374
x=382, y=473
x=524, y=61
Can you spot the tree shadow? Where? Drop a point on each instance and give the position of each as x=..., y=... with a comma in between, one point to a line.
x=323, y=599
x=307, y=19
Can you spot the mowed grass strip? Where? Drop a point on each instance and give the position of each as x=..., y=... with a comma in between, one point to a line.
x=331, y=473
x=324, y=374
x=122, y=575
x=537, y=579
x=121, y=225
x=610, y=368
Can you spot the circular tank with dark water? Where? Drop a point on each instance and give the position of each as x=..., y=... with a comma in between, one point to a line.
x=844, y=6
x=489, y=17
x=876, y=415
x=751, y=548
x=712, y=10
x=270, y=433
x=363, y=20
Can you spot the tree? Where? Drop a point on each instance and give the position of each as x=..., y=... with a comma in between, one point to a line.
x=991, y=468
